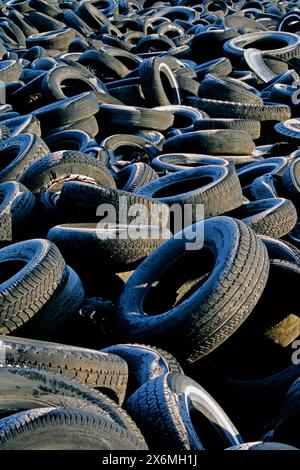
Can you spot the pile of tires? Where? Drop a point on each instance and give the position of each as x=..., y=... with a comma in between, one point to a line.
x=149, y=224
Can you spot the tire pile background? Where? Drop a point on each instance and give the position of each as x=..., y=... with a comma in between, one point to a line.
x=181, y=102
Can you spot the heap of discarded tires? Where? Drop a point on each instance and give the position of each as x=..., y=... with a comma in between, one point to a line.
x=149, y=202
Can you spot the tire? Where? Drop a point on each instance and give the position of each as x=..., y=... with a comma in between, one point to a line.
x=82, y=202
x=94, y=243
x=67, y=111
x=219, y=67
x=10, y=71
x=35, y=269
x=294, y=236
x=289, y=129
x=64, y=429
x=173, y=162
x=135, y=176
x=236, y=47
x=150, y=42
x=291, y=181
x=69, y=140
x=88, y=125
x=163, y=408
x=228, y=89
x=271, y=217
x=184, y=116
x=226, y=109
x=130, y=117
x=23, y=125
x=144, y=363
x=24, y=388
x=264, y=187
x=205, y=319
x=104, y=65
x=52, y=171
x=152, y=72
x=16, y=211
x=44, y=7
x=91, y=15
x=279, y=249
x=252, y=127
x=215, y=187
x=248, y=174
x=74, y=21
x=96, y=369
x=256, y=62
x=44, y=23
x=54, y=321
x=211, y=142
x=18, y=153
x=141, y=149
x=65, y=81
x=57, y=40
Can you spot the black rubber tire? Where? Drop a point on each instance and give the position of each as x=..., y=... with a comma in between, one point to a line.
x=104, y=65
x=250, y=173
x=291, y=181
x=95, y=369
x=255, y=61
x=279, y=249
x=44, y=23
x=264, y=187
x=54, y=321
x=57, y=40
x=205, y=319
x=274, y=217
x=91, y=15
x=18, y=153
x=294, y=236
x=64, y=429
x=135, y=176
x=16, y=211
x=216, y=187
x=249, y=125
x=235, y=47
x=69, y=140
x=65, y=81
x=144, y=363
x=163, y=409
x=52, y=171
x=172, y=162
x=211, y=142
x=37, y=268
x=67, y=111
x=228, y=89
x=289, y=129
x=88, y=125
x=218, y=67
x=79, y=202
x=74, y=21
x=118, y=248
x=184, y=116
x=226, y=109
x=24, y=388
x=159, y=85
x=141, y=148
x=17, y=125
x=130, y=117
x=10, y=70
